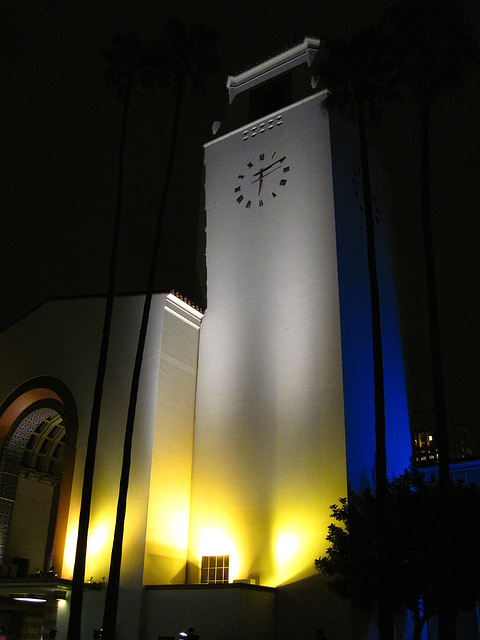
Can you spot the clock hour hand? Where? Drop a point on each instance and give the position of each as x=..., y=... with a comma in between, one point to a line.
x=260, y=179
x=263, y=174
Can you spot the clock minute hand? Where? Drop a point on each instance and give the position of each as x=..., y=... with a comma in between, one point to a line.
x=269, y=166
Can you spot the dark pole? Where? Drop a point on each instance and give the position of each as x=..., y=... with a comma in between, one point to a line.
x=76, y=606
x=385, y=619
x=113, y=587
x=446, y=620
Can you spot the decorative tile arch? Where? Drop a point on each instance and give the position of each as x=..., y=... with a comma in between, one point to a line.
x=32, y=403
x=11, y=461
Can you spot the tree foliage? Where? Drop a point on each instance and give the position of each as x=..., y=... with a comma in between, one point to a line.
x=415, y=557
x=184, y=55
x=359, y=70
x=432, y=43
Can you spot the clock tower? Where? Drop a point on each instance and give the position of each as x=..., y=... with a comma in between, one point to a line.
x=284, y=405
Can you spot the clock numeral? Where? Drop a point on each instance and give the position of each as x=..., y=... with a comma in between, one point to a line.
x=248, y=205
x=237, y=189
x=260, y=203
x=261, y=156
x=285, y=169
x=240, y=198
x=249, y=165
x=274, y=154
x=241, y=177
x=282, y=182
x=274, y=195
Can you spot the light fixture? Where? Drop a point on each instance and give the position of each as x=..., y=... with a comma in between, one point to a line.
x=36, y=599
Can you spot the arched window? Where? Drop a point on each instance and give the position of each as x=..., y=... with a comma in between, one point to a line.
x=38, y=428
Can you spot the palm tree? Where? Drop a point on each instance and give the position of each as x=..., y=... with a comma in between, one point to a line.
x=355, y=74
x=180, y=57
x=434, y=46
x=127, y=72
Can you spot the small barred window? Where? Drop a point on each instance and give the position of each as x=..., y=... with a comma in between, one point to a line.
x=214, y=569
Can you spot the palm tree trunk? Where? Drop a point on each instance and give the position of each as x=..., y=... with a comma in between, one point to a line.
x=432, y=305
x=111, y=600
x=76, y=604
x=385, y=620
x=418, y=624
x=446, y=623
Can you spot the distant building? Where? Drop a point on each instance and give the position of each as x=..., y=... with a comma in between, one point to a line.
x=424, y=444
x=252, y=416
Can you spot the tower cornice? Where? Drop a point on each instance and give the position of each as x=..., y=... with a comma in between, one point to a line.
x=303, y=53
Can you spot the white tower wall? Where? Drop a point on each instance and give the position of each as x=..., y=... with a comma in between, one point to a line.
x=269, y=450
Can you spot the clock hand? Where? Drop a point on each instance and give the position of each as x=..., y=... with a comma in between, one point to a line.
x=260, y=182
x=264, y=174
x=269, y=166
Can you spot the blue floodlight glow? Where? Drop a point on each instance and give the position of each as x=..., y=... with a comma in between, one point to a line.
x=356, y=328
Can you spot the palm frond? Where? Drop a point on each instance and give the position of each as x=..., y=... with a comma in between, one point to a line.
x=128, y=67
x=433, y=42
x=360, y=70
x=184, y=54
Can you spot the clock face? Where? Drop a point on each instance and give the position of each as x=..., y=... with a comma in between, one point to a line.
x=262, y=179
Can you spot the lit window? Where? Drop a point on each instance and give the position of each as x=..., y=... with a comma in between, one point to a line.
x=215, y=569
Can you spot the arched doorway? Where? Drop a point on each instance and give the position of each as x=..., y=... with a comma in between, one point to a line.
x=38, y=429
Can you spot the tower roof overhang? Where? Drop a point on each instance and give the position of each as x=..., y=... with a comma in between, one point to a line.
x=303, y=53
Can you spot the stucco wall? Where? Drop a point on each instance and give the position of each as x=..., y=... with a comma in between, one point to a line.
x=61, y=339
x=171, y=468
x=269, y=452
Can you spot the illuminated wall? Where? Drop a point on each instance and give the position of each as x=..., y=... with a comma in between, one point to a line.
x=156, y=524
x=62, y=339
x=171, y=467
x=284, y=413
x=242, y=451
x=269, y=451
x=125, y=325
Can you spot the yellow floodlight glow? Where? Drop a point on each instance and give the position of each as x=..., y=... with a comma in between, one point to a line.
x=95, y=545
x=98, y=550
x=294, y=543
x=286, y=547
x=70, y=551
x=179, y=529
x=215, y=542
x=96, y=540
x=171, y=530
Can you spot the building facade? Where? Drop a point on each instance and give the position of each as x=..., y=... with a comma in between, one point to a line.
x=253, y=417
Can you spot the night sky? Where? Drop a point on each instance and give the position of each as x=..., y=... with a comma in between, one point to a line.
x=59, y=141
